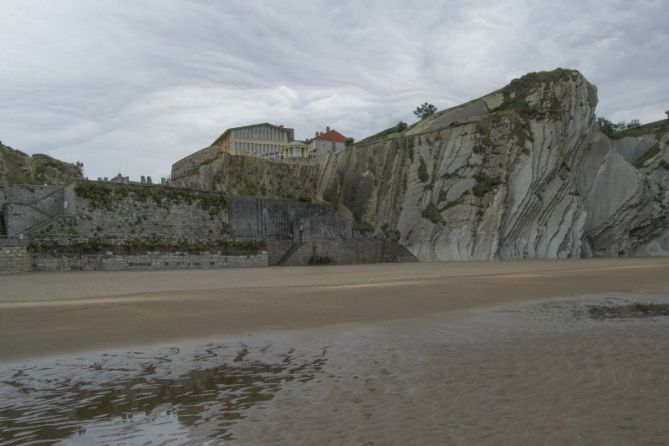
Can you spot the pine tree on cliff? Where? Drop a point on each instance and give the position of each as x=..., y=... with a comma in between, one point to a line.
x=425, y=110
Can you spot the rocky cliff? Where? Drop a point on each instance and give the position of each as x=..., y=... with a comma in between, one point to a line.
x=17, y=167
x=524, y=172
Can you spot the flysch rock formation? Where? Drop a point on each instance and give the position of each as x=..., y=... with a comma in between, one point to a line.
x=524, y=172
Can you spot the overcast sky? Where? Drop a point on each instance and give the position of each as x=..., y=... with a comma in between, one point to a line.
x=133, y=85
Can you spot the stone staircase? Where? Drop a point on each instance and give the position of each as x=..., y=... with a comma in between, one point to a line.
x=31, y=210
x=283, y=261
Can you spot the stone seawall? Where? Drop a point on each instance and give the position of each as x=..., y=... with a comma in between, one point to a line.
x=282, y=220
x=14, y=256
x=109, y=226
x=23, y=206
x=151, y=261
x=17, y=257
x=117, y=213
x=346, y=252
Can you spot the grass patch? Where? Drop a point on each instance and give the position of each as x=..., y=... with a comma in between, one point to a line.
x=391, y=133
x=657, y=128
x=516, y=93
x=650, y=153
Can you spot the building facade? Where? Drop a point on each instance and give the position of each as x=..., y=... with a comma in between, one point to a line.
x=295, y=150
x=330, y=141
x=268, y=141
x=260, y=140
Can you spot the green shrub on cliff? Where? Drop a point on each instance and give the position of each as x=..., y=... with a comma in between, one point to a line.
x=390, y=233
x=484, y=184
x=650, y=153
x=431, y=212
x=362, y=225
x=423, y=176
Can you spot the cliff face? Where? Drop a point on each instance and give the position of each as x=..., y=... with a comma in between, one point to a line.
x=247, y=176
x=18, y=168
x=524, y=172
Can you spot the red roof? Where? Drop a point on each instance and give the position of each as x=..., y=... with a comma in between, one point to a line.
x=331, y=135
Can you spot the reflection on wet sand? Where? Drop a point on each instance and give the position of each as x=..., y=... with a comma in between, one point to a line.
x=50, y=402
x=564, y=371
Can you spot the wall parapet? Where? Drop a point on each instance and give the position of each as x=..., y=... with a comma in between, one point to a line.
x=190, y=164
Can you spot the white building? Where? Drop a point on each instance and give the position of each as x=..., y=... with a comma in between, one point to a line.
x=330, y=141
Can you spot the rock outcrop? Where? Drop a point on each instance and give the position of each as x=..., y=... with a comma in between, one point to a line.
x=524, y=172
x=17, y=167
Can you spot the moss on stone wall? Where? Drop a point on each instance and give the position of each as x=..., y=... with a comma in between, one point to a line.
x=135, y=246
x=107, y=196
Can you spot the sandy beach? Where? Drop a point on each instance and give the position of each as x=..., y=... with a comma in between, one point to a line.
x=52, y=313
x=540, y=352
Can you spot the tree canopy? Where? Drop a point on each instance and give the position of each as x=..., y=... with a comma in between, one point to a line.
x=425, y=110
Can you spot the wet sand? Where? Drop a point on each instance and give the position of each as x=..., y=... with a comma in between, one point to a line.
x=548, y=352
x=53, y=313
x=587, y=370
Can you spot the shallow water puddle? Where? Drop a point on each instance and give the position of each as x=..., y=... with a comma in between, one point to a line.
x=586, y=370
x=633, y=310
x=153, y=397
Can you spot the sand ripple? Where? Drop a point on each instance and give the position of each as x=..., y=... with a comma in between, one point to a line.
x=554, y=372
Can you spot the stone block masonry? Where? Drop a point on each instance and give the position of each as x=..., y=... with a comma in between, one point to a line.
x=118, y=213
x=25, y=206
x=112, y=226
x=190, y=164
x=14, y=257
x=153, y=260
x=283, y=220
x=346, y=252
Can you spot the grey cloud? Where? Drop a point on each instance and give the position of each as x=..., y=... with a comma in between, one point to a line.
x=131, y=86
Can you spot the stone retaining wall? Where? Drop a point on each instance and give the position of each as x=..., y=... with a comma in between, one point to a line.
x=14, y=257
x=149, y=261
x=348, y=252
x=188, y=165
